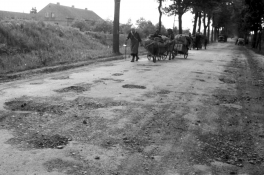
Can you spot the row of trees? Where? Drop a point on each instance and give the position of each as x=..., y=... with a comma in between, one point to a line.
x=228, y=17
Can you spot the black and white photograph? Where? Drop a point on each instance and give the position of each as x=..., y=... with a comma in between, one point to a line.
x=131, y=87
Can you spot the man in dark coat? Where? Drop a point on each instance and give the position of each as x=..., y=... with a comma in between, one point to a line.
x=135, y=40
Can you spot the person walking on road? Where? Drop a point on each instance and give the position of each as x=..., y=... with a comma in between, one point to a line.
x=135, y=40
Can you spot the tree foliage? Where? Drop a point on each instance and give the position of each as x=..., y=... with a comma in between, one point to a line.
x=178, y=7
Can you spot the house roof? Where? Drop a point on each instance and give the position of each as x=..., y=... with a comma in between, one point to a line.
x=15, y=15
x=63, y=12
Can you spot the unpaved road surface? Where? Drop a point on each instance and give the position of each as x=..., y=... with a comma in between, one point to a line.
x=198, y=116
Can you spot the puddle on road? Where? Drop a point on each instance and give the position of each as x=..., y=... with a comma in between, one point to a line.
x=131, y=86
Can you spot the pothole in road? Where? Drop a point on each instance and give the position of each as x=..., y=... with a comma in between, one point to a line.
x=111, y=79
x=201, y=80
x=231, y=148
x=226, y=80
x=40, y=141
x=117, y=74
x=76, y=88
x=164, y=92
x=227, y=98
x=131, y=86
x=24, y=105
x=146, y=69
x=148, y=65
x=198, y=72
x=61, y=77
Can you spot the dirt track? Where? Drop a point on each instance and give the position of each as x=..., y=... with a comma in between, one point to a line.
x=203, y=116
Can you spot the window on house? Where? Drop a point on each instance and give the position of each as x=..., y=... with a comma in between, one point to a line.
x=52, y=15
x=47, y=14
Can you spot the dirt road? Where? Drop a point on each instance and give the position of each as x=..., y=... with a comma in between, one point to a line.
x=198, y=116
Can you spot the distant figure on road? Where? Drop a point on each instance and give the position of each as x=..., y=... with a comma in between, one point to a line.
x=135, y=40
x=198, y=43
x=205, y=42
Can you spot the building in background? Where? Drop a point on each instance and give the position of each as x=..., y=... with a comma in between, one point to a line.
x=54, y=13
x=64, y=15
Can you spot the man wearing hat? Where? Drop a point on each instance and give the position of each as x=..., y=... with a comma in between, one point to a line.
x=135, y=40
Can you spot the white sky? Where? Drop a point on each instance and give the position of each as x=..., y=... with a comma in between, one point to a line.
x=133, y=9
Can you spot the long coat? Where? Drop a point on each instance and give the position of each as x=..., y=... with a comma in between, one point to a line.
x=135, y=40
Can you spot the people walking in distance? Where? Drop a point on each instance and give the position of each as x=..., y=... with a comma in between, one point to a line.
x=134, y=43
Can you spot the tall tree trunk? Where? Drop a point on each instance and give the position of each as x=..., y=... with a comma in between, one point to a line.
x=215, y=33
x=195, y=23
x=254, y=41
x=116, y=27
x=199, y=21
x=160, y=14
x=260, y=38
x=212, y=34
x=204, y=23
x=209, y=27
x=180, y=23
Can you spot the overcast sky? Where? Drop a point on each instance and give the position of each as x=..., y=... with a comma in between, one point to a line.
x=133, y=9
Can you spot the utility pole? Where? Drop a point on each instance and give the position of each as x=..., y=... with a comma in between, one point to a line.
x=116, y=28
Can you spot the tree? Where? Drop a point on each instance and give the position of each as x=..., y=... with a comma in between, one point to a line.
x=33, y=10
x=160, y=13
x=104, y=26
x=125, y=28
x=178, y=7
x=116, y=28
x=145, y=27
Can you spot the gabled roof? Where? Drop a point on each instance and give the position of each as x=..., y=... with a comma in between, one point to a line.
x=63, y=12
x=15, y=15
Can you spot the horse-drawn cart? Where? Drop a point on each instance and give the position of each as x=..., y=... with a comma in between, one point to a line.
x=181, y=46
x=158, y=48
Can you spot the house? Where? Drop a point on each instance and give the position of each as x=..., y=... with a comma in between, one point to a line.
x=54, y=13
x=64, y=15
x=5, y=15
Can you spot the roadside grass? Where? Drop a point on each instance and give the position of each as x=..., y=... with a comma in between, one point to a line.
x=28, y=45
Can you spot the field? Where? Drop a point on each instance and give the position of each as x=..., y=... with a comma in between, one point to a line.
x=28, y=45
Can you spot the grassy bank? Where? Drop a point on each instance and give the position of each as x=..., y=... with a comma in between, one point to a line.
x=28, y=45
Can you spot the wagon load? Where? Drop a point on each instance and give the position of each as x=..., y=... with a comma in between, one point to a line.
x=182, y=43
x=181, y=39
